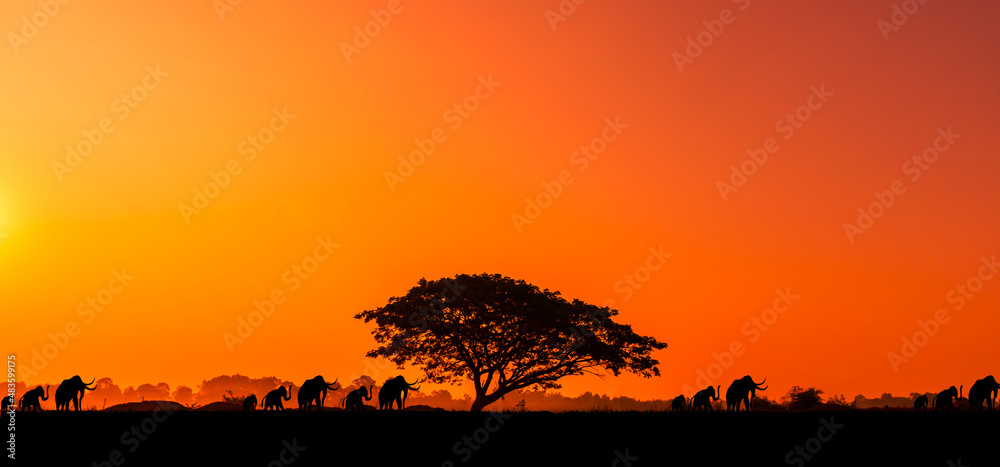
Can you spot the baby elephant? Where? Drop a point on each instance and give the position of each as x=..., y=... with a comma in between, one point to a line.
x=250, y=403
x=30, y=399
x=354, y=400
x=678, y=403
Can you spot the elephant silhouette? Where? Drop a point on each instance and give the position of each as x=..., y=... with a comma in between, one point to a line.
x=944, y=398
x=395, y=390
x=678, y=403
x=29, y=399
x=354, y=400
x=312, y=390
x=742, y=390
x=72, y=390
x=272, y=400
x=701, y=399
x=920, y=403
x=983, y=390
x=7, y=403
x=250, y=403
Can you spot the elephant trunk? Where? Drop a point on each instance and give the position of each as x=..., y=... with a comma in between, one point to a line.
x=960, y=390
x=370, y=392
x=717, y=392
x=46, y=397
x=288, y=396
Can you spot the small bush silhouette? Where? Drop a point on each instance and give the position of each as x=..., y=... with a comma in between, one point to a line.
x=799, y=398
x=520, y=406
x=763, y=403
x=232, y=399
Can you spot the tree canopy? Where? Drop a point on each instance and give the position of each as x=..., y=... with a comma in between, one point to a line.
x=504, y=334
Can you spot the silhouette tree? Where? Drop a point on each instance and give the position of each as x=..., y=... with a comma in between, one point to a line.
x=839, y=400
x=799, y=398
x=503, y=335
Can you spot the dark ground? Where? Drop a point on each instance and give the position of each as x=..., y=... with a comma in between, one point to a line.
x=430, y=438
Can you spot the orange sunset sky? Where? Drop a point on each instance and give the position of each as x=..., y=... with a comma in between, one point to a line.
x=204, y=84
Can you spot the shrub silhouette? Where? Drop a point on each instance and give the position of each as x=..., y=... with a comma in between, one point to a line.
x=763, y=403
x=232, y=399
x=798, y=398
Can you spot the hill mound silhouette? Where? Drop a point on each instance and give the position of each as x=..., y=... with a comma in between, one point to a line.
x=146, y=406
x=423, y=408
x=221, y=407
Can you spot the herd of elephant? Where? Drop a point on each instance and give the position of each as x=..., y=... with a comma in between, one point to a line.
x=741, y=391
x=313, y=391
x=70, y=390
x=982, y=391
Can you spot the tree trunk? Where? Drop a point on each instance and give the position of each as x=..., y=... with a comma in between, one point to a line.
x=483, y=400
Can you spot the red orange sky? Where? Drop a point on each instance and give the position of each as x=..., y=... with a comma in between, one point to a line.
x=209, y=78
